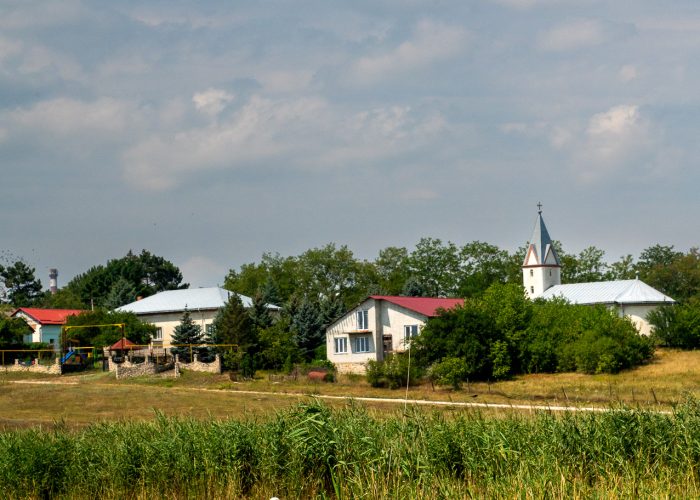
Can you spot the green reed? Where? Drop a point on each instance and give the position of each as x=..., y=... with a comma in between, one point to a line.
x=313, y=450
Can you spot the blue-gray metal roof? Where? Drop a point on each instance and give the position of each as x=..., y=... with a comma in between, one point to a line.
x=608, y=292
x=542, y=242
x=192, y=299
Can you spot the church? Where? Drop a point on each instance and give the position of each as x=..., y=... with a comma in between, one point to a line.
x=542, y=279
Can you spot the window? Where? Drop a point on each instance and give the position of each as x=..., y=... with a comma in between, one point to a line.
x=550, y=272
x=159, y=334
x=410, y=331
x=363, y=320
x=209, y=328
x=341, y=345
x=362, y=344
x=51, y=341
x=532, y=273
x=532, y=289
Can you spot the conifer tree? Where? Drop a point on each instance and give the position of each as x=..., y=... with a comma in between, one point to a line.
x=259, y=313
x=234, y=326
x=308, y=326
x=187, y=334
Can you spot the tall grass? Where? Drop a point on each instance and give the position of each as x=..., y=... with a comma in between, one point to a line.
x=312, y=450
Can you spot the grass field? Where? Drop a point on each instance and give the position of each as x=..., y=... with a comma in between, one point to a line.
x=80, y=399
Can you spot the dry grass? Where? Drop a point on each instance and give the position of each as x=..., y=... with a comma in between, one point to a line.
x=80, y=399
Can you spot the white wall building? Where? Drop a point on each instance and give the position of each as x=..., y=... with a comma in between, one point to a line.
x=165, y=309
x=377, y=326
x=542, y=278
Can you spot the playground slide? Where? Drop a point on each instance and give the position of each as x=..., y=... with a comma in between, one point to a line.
x=67, y=356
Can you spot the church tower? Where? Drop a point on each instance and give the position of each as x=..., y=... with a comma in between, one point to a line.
x=541, y=268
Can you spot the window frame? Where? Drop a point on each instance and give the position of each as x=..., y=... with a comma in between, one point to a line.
x=341, y=341
x=362, y=319
x=362, y=339
x=410, y=332
x=159, y=333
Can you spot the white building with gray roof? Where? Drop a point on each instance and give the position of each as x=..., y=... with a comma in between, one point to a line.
x=165, y=309
x=542, y=279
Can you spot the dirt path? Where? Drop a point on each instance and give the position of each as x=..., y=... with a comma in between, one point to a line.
x=396, y=401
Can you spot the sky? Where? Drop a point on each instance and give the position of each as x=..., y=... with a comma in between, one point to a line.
x=212, y=132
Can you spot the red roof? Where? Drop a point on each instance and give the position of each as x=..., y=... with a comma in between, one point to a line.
x=427, y=306
x=122, y=345
x=48, y=316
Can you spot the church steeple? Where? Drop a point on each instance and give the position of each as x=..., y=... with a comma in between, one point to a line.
x=541, y=267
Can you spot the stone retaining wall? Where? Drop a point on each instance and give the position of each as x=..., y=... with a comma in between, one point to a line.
x=53, y=369
x=199, y=366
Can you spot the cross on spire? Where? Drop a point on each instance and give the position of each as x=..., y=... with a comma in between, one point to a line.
x=539, y=208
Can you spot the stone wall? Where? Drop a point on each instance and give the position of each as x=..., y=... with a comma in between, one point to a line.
x=199, y=366
x=53, y=369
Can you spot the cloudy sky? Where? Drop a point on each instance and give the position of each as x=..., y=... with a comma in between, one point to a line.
x=211, y=132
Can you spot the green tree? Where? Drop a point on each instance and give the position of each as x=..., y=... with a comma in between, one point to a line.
x=233, y=326
x=138, y=332
x=259, y=312
x=623, y=269
x=12, y=331
x=482, y=265
x=20, y=284
x=147, y=273
x=307, y=324
x=677, y=325
x=122, y=292
x=436, y=266
x=392, y=270
x=186, y=336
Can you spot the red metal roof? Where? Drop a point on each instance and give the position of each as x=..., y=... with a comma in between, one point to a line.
x=122, y=345
x=426, y=306
x=48, y=316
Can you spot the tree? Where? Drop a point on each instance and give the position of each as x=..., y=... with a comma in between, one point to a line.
x=482, y=265
x=259, y=313
x=135, y=330
x=147, y=274
x=233, y=326
x=12, y=331
x=188, y=336
x=307, y=324
x=22, y=288
x=623, y=269
x=122, y=292
x=436, y=266
x=392, y=270
x=677, y=325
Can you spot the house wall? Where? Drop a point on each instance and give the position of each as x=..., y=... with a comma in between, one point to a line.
x=638, y=314
x=168, y=321
x=384, y=318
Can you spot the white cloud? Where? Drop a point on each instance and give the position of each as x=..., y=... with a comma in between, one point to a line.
x=212, y=101
x=627, y=73
x=71, y=117
x=617, y=143
x=573, y=35
x=285, y=81
x=431, y=42
x=303, y=133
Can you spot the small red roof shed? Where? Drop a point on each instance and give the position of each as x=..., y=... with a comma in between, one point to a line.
x=123, y=344
x=48, y=316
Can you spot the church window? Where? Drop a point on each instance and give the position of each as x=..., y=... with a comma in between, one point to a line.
x=550, y=272
x=532, y=273
x=532, y=289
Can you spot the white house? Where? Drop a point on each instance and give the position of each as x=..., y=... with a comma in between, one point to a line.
x=378, y=326
x=542, y=278
x=165, y=309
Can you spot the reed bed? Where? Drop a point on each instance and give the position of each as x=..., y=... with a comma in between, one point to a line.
x=312, y=450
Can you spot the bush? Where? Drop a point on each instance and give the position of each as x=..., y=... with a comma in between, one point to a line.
x=449, y=371
x=677, y=326
x=393, y=372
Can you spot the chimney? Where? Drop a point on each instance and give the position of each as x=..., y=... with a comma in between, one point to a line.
x=53, y=280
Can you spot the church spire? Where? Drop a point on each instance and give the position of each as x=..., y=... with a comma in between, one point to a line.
x=541, y=248
x=541, y=267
